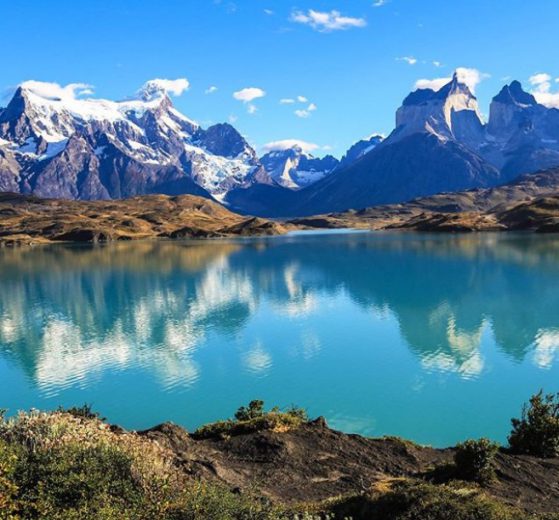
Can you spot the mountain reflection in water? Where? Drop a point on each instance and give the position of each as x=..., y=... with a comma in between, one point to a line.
x=404, y=318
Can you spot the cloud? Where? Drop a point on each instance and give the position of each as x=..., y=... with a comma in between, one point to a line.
x=251, y=109
x=380, y=3
x=170, y=86
x=269, y=12
x=471, y=77
x=302, y=113
x=326, y=21
x=288, y=144
x=540, y=79
x=287, y=101
x=306, y=112
x=434, y=84
x=437, y=63
x=410, y=60
x=541, y=90
x=246, y=95
x=302, y=99
x=211, y=90
x=54, y=91
x=232, y=118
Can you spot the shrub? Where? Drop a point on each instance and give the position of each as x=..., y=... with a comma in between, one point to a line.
x=85, y=412
x=8, y=488
x=474, y=460
x=417, y=500
x=254, y=410
x=537, y=431
x=252, y=419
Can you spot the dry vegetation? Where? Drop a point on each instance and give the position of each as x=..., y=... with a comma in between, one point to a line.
x=30, y=220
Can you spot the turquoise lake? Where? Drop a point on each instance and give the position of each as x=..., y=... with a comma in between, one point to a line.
x=436, y=338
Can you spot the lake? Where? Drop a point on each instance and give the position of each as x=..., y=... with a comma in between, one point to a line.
x=436, y=338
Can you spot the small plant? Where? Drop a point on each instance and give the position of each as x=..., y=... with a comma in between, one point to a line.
x=85, y=412
x=537, y=431
x=474, y=460
x=254, y=410
x=253, y=418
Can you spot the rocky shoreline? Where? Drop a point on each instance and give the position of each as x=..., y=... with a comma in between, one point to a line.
x=313, y=463
x=278, y=461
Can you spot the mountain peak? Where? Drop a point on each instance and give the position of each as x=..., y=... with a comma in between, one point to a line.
x=514, y=94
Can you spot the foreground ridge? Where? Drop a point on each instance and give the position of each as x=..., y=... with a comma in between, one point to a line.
x=276, y=464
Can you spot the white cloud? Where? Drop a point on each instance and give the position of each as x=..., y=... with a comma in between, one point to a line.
x=540, y=79
x=302, y=99
x=541, y=90
x=269, y=12
x=306, y=112
x=232, y=118
x=287, y=101
x=246, y=95
x=380, y=3
x=434, y=84
x=56, y=91
x=471, y=77
x=327, y=21
x=170, y=86
x=410, y=60
x=437, y=63
x=251, y=109
x=211, y=90
x=287, y=144
x=302, y=113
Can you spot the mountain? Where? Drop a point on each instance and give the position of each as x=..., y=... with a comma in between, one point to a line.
x=360, y=149
x=59, y=142
x=529, y=202
x=441, y=144
x=55, y=143
x=294, y=168
x=521, y=135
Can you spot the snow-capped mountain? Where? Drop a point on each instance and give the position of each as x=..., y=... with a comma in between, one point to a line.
x=294, y=168
x=54, y=142
x=440, y=144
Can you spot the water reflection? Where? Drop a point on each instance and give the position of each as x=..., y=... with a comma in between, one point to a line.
x=181, y=310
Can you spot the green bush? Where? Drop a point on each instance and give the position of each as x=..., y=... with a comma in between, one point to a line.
x=253, y=419
x=8, y=489
x=254, y=410
x=85, y=412
x=474, y=460
x=537, y=431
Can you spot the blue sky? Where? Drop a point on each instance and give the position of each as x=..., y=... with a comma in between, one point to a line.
x=344, y=57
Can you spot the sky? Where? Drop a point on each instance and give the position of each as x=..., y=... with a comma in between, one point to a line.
x=325, y=72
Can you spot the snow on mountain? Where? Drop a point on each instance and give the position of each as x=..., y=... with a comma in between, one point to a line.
x=295, y=168
x=134, y=138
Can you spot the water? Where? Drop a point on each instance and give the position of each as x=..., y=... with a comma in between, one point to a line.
x=436, y=338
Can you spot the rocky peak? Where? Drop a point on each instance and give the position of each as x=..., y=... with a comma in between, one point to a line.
x=514, y=94
x=224, y=140
x=295, y=168
x=360, y=149
x=514, y=110
x=450, y=112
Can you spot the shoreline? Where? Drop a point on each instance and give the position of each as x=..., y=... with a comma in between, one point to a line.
x=297, y=462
